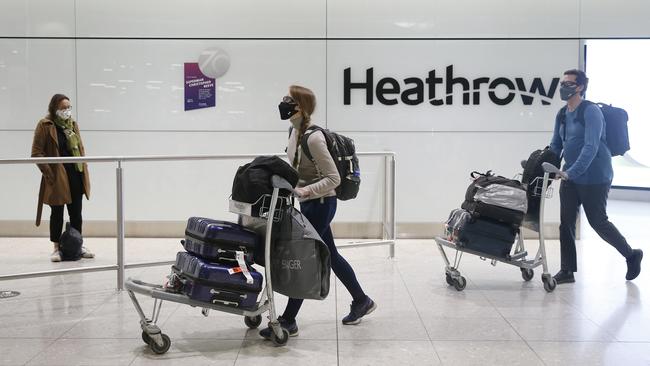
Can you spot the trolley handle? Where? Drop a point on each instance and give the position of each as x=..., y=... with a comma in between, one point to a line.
x=550, y=168
x=279, y=182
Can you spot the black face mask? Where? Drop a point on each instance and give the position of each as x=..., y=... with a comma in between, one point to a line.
x=567, y=91
x=287, y=110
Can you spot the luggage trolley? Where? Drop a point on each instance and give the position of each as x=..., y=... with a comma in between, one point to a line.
x=540, y=188
x=268, y=207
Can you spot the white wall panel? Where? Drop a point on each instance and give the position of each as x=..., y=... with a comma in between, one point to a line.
x=138, y=84
x=31, y=71
x=453, y=18
x=37, y=18
x=201, y=18
x=491, y=59
x=611, y=18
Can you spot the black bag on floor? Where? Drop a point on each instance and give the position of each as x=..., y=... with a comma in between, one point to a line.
x=253, y=180
x=496, y=197
x=486, y=236
x=70, y=244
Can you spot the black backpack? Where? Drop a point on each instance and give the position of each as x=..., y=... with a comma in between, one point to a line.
x=70, y=244
x=616, y=133
x=533, y=167
x=487, y=211
x=345, y=158
x=253, y=180
x=532, y=170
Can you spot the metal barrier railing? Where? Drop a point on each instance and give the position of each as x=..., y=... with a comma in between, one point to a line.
x=389, y=228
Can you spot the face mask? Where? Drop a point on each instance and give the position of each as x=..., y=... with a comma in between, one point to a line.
x=64, y=114
x=286, y=110
x=566, y=92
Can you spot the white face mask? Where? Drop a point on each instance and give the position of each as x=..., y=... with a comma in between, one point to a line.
x=64, y=114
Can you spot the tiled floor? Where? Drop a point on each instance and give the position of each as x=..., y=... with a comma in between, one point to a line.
x=497, y=320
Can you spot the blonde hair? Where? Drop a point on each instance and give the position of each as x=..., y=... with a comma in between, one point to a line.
x=306, y=100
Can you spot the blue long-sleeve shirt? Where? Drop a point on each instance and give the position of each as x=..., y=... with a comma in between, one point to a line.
x=587, y=159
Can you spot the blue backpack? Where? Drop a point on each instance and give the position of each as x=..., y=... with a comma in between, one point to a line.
x=616, y=134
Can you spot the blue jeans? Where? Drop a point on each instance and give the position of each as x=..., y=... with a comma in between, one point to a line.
x=320, y=215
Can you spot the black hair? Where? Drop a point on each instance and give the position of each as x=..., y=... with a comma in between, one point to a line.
x=581, y=78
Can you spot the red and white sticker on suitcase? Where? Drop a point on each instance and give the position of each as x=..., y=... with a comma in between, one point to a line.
x=243, y=268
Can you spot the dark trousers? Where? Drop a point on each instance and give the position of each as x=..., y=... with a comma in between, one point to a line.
x=593, y=197
x=320, y=215
x=74, y=208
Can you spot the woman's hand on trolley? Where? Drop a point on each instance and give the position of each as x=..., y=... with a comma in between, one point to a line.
x=302, y=192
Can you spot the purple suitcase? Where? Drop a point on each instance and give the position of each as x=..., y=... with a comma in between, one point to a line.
x=214, y=282
x=217, y=240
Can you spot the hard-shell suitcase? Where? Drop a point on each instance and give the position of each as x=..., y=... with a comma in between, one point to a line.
x=486, y=236
x=219, y=240
x=217, y=283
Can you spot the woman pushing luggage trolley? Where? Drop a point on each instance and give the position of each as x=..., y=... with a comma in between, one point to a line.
x=538, y=188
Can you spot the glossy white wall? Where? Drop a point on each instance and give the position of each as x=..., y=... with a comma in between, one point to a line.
x=201, y=18
x=612, y=18
x=453, y=18
x=31, y=71
x=138, y=84
x=37, y=18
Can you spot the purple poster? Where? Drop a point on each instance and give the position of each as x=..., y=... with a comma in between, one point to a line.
x=199, y=89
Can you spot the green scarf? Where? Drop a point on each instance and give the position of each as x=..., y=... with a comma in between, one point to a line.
x=73, y=139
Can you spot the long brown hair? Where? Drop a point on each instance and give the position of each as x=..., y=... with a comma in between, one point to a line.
x=306, y=100
x=54, y=104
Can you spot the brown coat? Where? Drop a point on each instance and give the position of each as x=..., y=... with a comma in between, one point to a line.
x=55, y=189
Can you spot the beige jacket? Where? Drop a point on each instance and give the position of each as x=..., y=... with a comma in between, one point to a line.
x=320, y=178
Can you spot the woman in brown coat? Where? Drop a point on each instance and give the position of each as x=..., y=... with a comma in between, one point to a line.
x=57, y=135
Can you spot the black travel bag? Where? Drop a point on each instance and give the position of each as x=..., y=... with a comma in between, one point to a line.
x=487, y=236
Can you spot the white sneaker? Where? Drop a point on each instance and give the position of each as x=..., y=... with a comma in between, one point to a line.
x=85, y=253
x=56, y=256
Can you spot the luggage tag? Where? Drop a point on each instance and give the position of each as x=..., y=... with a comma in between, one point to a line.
x=243, y=268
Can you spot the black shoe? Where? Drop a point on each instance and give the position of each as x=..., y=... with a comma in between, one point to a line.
x=564, y=276
x=291, y=327
x=634, y=264
x=358, y=311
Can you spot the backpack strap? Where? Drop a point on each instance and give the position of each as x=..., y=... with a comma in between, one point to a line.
x=305, y=146
x=580, y=116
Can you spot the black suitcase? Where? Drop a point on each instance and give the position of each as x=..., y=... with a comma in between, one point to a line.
x=505, y=215
x=217, y=283
x=218, y=240
x=486, y=236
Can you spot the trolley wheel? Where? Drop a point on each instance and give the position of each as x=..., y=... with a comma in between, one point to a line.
x=527, y=274
x=145, y=338
x=449, y=280
x=549, y=283
x=280, y=341
x=253, y=322
x=460, y=283
x=159, y=350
